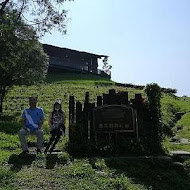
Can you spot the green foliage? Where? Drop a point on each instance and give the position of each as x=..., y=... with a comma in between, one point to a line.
x=44, y=15
x=153, y=92
x=170, y=106
x=22, y=59
x=130, y=85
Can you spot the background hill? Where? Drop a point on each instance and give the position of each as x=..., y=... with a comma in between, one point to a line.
x=62, y=171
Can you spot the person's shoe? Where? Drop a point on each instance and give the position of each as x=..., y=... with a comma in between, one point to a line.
x=25, y=152
x=38, y=151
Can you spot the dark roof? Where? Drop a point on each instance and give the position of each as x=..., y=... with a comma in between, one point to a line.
x=58, y=51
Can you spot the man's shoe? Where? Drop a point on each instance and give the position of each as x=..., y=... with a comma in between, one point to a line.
x=51, y=150
x=38, y=151
x=25, y=152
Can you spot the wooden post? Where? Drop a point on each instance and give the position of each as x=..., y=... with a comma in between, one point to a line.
x=112, y=96
x=105, y=99
x=71, y=117
x=112, y=92
x=123, y=98
x=71, y=109
x=78, y=111
x=99, y=101
x=91, y=121
x=86, y=97
x=138, y=98
x=86, y=115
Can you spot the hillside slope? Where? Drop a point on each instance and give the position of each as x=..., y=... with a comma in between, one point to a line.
x=61, y=171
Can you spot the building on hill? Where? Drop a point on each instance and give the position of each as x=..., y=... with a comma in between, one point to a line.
x=73, y=60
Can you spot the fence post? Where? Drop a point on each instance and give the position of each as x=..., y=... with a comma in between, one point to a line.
x=71, y=109
x=86, y=115
x=78, y=112
x=92, y=106
x=105, y=99
x=138, y=98
x=72, y=128
x=112, y=96
x=99, y=101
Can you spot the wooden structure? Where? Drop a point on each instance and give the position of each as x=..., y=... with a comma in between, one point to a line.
x=110, y=116
x=115, y=119
x=68, y=59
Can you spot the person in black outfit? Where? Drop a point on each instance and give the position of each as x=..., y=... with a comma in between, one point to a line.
x=57, y=125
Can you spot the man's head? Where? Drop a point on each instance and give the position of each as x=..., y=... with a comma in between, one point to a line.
x=33, y=102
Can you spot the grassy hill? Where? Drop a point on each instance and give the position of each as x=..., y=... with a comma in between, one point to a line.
x=62, y=171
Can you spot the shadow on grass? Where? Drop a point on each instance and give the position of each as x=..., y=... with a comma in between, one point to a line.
x=11, y=128
x=104, y=148
x=18, y=161
x=8, y=123
x=153, y=172
x=9, y=116
x=65, y=75
x=51, y=160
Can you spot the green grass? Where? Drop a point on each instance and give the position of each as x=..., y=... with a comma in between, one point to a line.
x=34, y=172
x=171, y=105
x=175, y=146
x=184, y=121
x=64, y=172
x=75, y=77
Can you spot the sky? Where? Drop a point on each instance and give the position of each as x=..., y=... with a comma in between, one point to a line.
x=146, y=40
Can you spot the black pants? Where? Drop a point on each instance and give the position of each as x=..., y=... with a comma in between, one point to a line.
x=55, y=136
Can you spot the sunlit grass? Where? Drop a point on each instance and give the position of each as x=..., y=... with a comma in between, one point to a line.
x=64, y=172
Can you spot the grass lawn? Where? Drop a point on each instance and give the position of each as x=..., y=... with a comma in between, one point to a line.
x=62, y=171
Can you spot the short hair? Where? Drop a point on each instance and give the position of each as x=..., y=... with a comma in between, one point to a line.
x=33, y=97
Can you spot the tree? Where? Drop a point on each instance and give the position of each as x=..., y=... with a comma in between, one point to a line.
x=153, y=92
x=43, y=15
x=22, y=59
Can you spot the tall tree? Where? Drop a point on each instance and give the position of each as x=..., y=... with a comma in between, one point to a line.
x=43, y=15
x=22, y=59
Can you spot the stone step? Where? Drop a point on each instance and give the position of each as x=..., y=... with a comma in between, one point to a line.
x=180, y=153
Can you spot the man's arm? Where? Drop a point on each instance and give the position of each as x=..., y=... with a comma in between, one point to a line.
x=41, y=123
x=23, y=123
x=41, y=120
